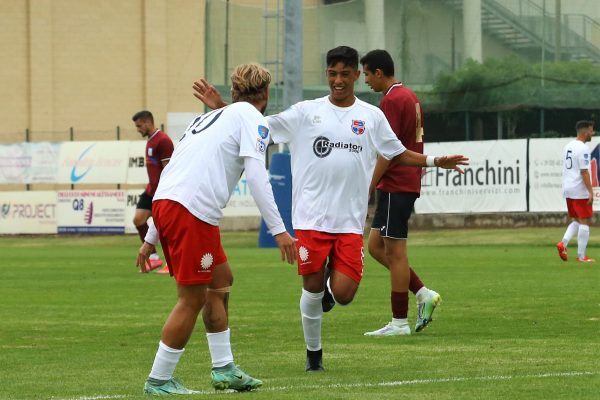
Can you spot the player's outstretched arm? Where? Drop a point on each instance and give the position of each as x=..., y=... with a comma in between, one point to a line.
x=421, y=160
x=287, y=245
x=451, y=162
x=206, y=93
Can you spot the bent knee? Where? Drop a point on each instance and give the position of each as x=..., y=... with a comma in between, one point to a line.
x=343, y=299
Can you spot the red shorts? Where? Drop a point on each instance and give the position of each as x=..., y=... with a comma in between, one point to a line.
x=345, y=251
x=579, y=208
x=192, y=247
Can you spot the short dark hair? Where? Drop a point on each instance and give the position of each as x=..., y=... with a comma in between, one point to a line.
x=583, y=124
x=344, y=54
x=379, y=59
x=145, y=115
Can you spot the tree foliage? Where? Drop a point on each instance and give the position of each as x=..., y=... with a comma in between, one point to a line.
x=512, y=83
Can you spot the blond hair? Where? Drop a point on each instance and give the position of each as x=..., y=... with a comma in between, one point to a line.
x=248, y=82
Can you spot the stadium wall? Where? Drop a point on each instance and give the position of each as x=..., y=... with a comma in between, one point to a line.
x=507, y=183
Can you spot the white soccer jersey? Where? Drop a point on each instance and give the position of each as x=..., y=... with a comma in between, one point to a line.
x=333, y=153
x=209, y=159
x=576, y=156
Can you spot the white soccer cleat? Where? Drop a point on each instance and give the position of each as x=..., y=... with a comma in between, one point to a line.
x=391, y=330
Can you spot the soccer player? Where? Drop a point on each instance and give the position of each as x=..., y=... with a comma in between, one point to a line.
x=158, y=152
x=577, y=190
x=333, y=144
x=194, y=188
x=398, y=187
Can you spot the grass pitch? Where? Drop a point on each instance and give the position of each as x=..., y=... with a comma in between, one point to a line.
x=78, y=322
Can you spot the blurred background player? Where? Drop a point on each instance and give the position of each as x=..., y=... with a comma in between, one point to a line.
x=577, y=190
x=398, y=187
x=159, y=148
x=194, y=188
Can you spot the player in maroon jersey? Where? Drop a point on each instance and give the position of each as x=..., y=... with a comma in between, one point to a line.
x=158, y=152
x=398, y=187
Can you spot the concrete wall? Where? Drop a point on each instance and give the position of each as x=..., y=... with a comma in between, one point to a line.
x=90, y=65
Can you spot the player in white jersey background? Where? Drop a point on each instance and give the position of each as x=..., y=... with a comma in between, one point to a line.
x=194, y=187
x=577, y=190
x=333, y=142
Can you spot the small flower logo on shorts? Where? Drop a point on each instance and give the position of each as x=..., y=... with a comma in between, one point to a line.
x=303, y=252
x=206, y=261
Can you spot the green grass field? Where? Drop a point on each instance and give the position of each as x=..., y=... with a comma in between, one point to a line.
x=78, y=322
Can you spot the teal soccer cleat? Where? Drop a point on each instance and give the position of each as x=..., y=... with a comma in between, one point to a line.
x=173, y=386
x=425, y=310
x=234, y=378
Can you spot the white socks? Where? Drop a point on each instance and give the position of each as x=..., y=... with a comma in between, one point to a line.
x=219, y=346
x=400, y=321
x=312, y=314
x=165, y=361
x=572, y=229
x=582, y=240
x=422, y=294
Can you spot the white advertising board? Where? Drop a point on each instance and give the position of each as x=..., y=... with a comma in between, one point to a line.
x=136, y=163
x=29, y=162
x=545, y=174
x=27, y=212
x=93, y=162
x=91, y=211
x=494, y=181
x=177, y=122
x=133, y=196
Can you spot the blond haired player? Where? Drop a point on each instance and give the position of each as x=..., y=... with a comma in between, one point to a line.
x=194, y=188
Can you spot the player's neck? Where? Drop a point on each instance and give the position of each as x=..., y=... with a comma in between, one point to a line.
x=388, y=83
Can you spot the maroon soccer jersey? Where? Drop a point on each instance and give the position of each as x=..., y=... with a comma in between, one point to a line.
x=403, y=111
x=158, y=149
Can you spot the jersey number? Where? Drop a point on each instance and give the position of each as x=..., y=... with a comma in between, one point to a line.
x=569, y=160
x=202, y=122
x=420, y=132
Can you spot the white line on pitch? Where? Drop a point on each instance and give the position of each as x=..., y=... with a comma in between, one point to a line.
x=371, y=385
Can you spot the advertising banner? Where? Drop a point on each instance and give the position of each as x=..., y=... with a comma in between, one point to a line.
x=27, y=212
x=92, y=211
x=29, y=162
x=131, y=201
x=545, y=174
x=136, y=163
x=494, y=181
x=93, y=162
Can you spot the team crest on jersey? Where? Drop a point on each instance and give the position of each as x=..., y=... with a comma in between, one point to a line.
x=358, y=126
x=263, y=131
x=261, y=146
x=149, y=151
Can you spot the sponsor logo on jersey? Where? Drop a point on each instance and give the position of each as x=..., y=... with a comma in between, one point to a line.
x=322, y=147
x=261, y=146
x=358, y=126
x=263, y=131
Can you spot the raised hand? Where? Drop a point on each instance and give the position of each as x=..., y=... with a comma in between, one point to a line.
x=206, y=93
